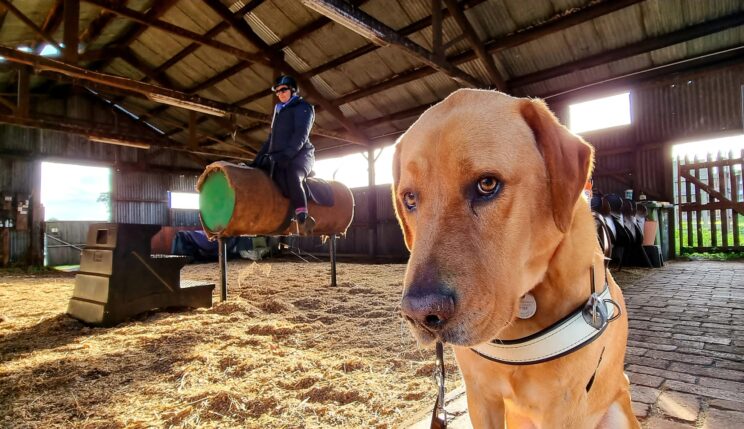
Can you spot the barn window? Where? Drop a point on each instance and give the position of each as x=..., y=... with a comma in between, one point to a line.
x=75, y=192
x=600, y=113
x=351, y=170
x=184, y=200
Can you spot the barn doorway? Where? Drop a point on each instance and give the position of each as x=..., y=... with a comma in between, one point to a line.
x=709, y=195
x=73, y=196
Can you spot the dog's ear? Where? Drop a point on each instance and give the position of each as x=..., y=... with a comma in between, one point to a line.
x=408, y=238
x=568, y=159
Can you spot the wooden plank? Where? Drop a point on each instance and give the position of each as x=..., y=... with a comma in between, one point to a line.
x=679, y=202
x=436, y=28
x=712, y=212
x=708, y=249
x=71, y=30
x=179, y=31
x=718, y=205
x=735, y=198
x=724, y=212
x=739, y=208
x=698, y=212
x=24, y=79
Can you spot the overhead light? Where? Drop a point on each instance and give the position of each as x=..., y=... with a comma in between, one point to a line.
x=119, y=142
x=344, y=14
x=185, y=104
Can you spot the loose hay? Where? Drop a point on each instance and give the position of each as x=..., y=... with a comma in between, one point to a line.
x=286, y=351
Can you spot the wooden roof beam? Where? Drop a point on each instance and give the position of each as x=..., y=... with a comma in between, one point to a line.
x=560, y=22
x=377, y=32
x=309, y=29
x=23, y=18
x=50, y=24
x=277, y=62
x=416, y=26
x=405, y=31
x=71, y=30
x=214, y=31
x=644, y=46
x=475, y=43
x=107, y=135
x=176, y=30
x=96, y=27
x=733, y=55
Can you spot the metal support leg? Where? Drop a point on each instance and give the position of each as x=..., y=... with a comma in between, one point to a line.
x=222, y=246
x=332, y=246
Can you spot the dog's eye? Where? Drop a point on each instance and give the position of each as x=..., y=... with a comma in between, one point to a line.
x=409, y=200
x=488, y=186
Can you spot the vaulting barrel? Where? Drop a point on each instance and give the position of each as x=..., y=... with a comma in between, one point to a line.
x=240, y=200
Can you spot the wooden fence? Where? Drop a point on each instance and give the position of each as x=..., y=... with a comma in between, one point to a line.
x=711, y=204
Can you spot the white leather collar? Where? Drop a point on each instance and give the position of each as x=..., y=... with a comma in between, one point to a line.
x=563, y=337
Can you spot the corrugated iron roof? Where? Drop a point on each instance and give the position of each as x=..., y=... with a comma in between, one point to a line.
x=276, y=20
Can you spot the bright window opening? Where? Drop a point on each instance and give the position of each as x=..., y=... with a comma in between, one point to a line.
x=49, y=51
x=600, y=113
x=75, y=192
x=351, y=170
x=184, y=200
x=701, y=149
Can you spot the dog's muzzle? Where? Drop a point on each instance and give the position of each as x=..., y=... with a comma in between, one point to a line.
x=428, y=309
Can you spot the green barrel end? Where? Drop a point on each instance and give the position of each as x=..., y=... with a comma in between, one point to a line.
x=216, y=201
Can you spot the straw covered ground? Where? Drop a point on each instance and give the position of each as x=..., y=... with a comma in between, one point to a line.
x=285, y=351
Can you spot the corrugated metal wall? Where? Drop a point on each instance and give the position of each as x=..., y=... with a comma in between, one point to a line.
x=72, y=232
x=144, y=195
x=356, y=242
x=682, y=107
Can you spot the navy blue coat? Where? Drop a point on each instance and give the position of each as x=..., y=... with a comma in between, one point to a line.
x=289, y=140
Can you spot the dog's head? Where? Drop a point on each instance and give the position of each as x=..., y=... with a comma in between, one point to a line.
x=485, y=187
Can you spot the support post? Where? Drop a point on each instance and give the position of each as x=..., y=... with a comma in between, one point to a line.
x=222, y=248
x=436, y=29
x=23, y=103
x=71, y=30
x=371, y=205
x=332, y=246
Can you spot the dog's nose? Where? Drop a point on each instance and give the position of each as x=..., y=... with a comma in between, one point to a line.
x=431, y=309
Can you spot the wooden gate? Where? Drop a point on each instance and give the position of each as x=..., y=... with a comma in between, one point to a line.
x=64, y=240
x=711, y=204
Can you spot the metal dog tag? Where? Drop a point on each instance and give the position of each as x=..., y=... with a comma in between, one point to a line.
x=595, y=312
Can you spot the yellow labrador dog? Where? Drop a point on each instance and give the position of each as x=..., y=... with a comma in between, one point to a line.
x=505, y=264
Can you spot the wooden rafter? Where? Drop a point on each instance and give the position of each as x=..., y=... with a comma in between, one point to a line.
x=374, y=30
x=175, y=30
x=50, y=24
x=405, y=31
x=560, y=22
x=153, y=92
x=476, y=44
x=644, y=46
x=214, y=31
x=105, y=133
x=96, y=26
x=3, y=14
x=277, y=61
x=309, y=29
x=733, y=55
x=23, y=18
x=436, y=29
x=71, y=30
x=302, y=32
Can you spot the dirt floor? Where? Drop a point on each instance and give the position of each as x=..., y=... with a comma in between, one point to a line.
x=285, y=351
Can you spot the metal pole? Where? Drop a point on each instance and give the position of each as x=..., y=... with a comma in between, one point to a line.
x=332, y=246
x=223, y=268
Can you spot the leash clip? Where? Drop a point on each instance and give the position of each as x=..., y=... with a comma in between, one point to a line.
x=439, y=415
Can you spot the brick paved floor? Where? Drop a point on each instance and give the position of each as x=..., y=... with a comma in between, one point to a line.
x=685, y=356
x=686, y=344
